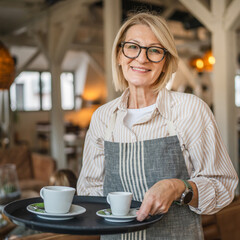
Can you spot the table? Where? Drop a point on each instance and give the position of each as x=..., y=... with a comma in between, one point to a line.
x=4, y=230
x=87, y=223
x=54, y=236
x=6, y=227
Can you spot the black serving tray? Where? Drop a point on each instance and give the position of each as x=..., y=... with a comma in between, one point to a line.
x=87, y=223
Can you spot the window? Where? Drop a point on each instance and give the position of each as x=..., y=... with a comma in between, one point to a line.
x=67, y=90
x=25, y=92
x=237, y=90
x=46, y=91
x=31, y=91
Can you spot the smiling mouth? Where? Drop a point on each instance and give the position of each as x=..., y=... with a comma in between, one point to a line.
x=140, y=69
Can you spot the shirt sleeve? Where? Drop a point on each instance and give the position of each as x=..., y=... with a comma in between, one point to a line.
x=213, y=171
x=90, y=181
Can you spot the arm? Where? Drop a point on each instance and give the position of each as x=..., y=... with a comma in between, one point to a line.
x=161, y=195
x=212, y=176
x=90, y=181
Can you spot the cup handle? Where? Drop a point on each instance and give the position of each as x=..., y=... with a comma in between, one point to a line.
x=108, y=199
x=42, y=193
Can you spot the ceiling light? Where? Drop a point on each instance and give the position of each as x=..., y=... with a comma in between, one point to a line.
x=7, y=68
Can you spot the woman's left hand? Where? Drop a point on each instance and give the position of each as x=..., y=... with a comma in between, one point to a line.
x=159, y=197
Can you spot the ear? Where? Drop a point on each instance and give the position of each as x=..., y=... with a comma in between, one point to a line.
x=165, y=63
x=119, y=60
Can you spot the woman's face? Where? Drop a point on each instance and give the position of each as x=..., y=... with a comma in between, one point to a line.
x=140, y=72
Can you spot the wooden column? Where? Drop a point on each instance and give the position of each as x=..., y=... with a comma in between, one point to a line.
x=224, y=88
x=80, y=78
x=60, y=26
x=112, y=23
x=56, y=115
x=222, y=20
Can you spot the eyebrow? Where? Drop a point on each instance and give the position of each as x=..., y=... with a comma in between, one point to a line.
x=136, y=41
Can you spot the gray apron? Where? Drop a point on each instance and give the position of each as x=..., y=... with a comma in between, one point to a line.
x=136, y=167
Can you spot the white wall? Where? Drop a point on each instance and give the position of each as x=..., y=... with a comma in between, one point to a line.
x=25, y=126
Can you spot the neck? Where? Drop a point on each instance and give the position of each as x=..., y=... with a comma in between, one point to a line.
x=141, y=97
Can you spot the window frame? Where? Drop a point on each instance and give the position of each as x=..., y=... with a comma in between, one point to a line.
x=41, y=92
x=236, y=90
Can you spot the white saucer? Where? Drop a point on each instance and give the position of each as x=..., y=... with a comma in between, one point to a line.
x=38, y=209
x=108, y=216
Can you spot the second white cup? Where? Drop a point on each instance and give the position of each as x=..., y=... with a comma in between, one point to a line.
x=57, y=199
x=120, y=202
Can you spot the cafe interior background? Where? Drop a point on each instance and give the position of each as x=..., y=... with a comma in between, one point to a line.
x=55, y=69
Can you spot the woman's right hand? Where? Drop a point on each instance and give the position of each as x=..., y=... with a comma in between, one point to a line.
x=159, y=197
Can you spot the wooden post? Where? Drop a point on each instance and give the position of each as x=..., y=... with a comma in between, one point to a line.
x=112, y=22
x=56, y=115
x=54, y=41
x=222, y=20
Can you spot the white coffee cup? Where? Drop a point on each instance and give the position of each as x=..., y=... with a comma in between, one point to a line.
x=57, y=199
x=120, y=202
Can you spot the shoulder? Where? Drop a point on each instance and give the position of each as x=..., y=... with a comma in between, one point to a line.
x=104, y=112
x=100, y=120
x=189, y=104
x=192, y=116
x=184, y=98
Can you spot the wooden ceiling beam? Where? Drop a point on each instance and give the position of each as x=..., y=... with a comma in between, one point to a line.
x=28, y=62
x=200, y=11
x=22, y=4
x=232, y=16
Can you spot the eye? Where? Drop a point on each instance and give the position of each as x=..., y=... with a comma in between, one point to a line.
x=155, y=50
x=131, y=46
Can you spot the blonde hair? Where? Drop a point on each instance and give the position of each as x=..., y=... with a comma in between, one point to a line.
x=159, y=27
x=63, y=177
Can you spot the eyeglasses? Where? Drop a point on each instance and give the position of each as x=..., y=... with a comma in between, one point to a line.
x=133, y=50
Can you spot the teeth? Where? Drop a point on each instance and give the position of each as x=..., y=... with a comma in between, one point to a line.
x=140, y=69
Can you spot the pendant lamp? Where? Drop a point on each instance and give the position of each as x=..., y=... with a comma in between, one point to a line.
x=7, y=68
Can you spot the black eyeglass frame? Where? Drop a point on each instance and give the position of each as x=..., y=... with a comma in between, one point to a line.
x=142, y=47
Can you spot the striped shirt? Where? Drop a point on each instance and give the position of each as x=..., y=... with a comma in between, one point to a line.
x=206, y=157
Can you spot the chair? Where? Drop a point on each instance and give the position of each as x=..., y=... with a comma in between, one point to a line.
x=223, y=225
x=33, y=169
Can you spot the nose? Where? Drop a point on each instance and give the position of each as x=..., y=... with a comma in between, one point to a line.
x=142, y=56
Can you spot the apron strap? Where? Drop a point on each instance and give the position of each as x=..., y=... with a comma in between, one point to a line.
x=110, y=128
x=172, y=132
x=171, y=128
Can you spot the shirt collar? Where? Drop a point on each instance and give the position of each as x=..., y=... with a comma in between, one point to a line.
x=123, y=100
x=163, y=102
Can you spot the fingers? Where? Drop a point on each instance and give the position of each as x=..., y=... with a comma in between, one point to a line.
x=150, y=208
x=159, y=208
x=157, y=200
x=144, y=210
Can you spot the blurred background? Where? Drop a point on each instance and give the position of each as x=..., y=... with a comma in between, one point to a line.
x=55, y=67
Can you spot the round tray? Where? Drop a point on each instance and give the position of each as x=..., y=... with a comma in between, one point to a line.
x=87, y=223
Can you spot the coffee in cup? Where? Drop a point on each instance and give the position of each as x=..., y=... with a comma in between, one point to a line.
x=120, y=202
x=57, y=199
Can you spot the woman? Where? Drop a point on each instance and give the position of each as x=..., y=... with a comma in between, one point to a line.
x=163, y=146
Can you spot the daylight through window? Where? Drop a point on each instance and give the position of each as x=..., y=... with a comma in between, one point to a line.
x=31, y=91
